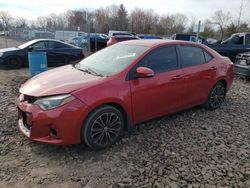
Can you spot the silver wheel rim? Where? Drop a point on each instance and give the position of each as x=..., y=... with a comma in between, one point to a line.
x=106, y=128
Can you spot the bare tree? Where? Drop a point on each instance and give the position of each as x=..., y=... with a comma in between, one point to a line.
x=5, y=18
x=79, y=18
x=21, y=23
x=101, y=20
x=208, y=29
x=221, y=19
x=42, y=22
x=62, y=21
x=166, y=25
x=193, y=21
x=143, y=21
x=122, y=16
x=180, y=22
x=240, y=14
x=113, y=16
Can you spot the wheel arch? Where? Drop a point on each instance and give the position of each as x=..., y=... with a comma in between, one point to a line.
x=224, y=82
x=125, y=115
x=120, y=107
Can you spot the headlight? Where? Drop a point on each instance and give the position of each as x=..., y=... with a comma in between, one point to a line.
x=48, y=103
x=1, y=54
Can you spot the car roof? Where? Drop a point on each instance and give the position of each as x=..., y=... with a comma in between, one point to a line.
x=124, y=36
x=38, y=40
x=54, y=40
x=156, y=42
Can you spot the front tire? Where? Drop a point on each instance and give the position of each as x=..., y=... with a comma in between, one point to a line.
x=216, y=96
x=103, y=127
x=14, y=62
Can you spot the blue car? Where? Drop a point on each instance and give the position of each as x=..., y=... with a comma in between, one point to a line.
x=97, y=41
x=147, y=36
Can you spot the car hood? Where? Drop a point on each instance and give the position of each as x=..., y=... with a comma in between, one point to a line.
x=62, y=80
x=9, y=49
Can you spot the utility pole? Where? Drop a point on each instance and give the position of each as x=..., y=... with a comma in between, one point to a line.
x=5, y=34
x=240, y=14
x=198, y=31
x=88, y=30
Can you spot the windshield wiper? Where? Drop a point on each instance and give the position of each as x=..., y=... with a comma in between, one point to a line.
x=91, y=71
x=88, y=70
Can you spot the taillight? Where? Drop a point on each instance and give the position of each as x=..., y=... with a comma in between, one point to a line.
x=111, y=41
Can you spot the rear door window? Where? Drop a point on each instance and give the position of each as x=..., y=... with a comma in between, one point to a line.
x=191, y=55
x=59, y=45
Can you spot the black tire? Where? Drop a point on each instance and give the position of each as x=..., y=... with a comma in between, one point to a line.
x=14, y=62
x=216, y=96
x=103, y=127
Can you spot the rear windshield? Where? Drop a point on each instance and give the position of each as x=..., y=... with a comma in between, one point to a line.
x=125, y=38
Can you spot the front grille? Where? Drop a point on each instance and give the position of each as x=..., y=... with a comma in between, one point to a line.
x=29, y=99
x=242, y=61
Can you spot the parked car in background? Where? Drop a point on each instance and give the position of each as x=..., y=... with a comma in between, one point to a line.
x=235, y=44
x=120, y=38
x=147, y=36
x=114, y=33
x=120, y=86
x=2, y=33
x=74, y=40
x=97, y=41
x=212, y=41
x=58, y=53
x=187, y=37
x=66, y=36
x=242, y=64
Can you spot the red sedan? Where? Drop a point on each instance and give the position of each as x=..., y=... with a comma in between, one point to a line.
x=120, y=86
x=121, y=38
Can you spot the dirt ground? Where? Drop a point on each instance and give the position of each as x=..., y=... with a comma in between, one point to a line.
x=195, y=148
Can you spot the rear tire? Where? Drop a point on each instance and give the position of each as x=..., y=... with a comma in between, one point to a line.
x=103, y=127
x=14, y=62
x=216, y=96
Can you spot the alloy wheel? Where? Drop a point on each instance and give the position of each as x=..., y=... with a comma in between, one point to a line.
x=106, y=128
x=217, y=96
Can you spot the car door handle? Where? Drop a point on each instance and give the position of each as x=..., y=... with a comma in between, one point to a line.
x=177, y=77
x=212, y=68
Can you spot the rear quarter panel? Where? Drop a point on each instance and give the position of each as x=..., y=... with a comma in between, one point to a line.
x=224, y=67
x=225, y=71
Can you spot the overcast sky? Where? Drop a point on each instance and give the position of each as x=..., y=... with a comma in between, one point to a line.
x=200, y=9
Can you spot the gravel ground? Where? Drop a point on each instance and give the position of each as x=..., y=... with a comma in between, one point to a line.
x=195, y=148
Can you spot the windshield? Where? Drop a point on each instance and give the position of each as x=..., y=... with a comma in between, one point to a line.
x=227, y=40
x=112, y=60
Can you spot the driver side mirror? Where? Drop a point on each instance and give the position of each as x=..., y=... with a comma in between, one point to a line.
x=144, y=72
